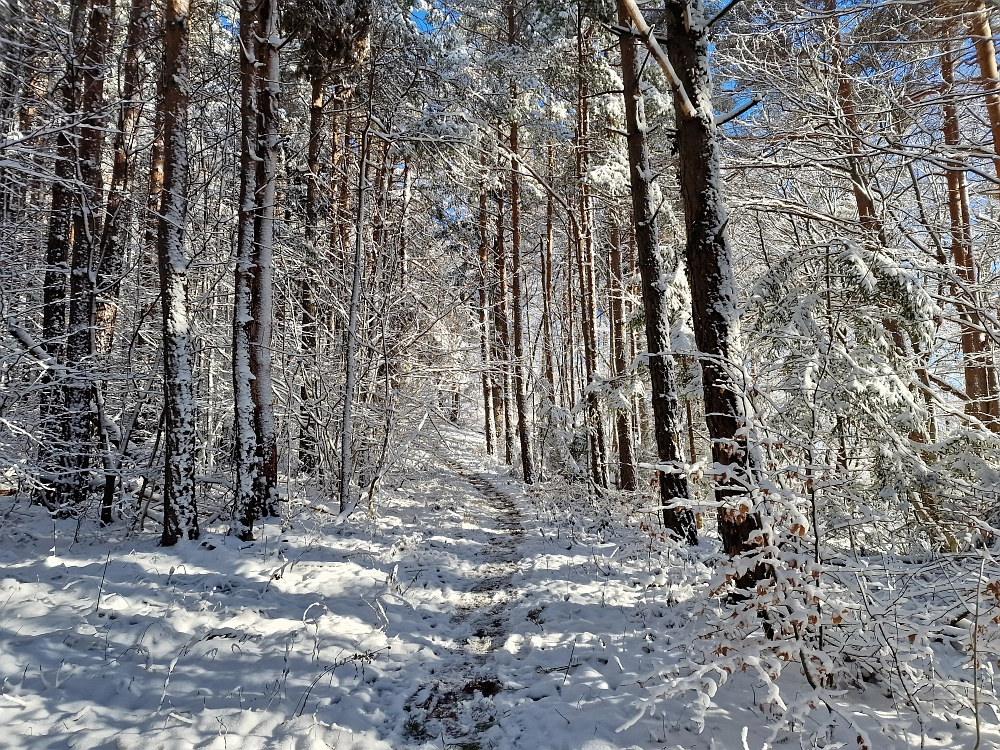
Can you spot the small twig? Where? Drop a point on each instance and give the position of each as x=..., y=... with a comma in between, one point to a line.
x=366, y=656
x=100, y=590
x=975, y=655
x=569, y=663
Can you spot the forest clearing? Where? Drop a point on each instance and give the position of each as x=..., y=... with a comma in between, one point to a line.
x=422, y=374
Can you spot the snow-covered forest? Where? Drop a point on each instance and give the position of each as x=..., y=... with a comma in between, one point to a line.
x=585, y=376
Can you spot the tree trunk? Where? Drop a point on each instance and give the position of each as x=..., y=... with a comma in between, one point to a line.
x=341, y=215
x=523, y=423
x=57, y=256
x=180, y=513
x=484, y=329
x=666, y=409
x=500, y=317
x=570, y=380
x=60, y=230
x=262, y=296
x=151, y=221
x=246, y=508
x=986, y=56
x=626, y=451
x=711, y=278
x=980, y=376
x=583, y=236
x=351, y=368
x=404, y=229
x=871, y=225
x=117, y=215
x=78, y=388
x=546, y=266
x=308, y=456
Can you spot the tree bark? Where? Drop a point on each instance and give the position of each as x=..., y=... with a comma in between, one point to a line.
x=78, y=426
x=154, y=193
x=523, y=424
x=546, y=266
x=570, y=379
x=986, y=56
x=980, y=375
x=117, y=212
x=501, y=318
x=712, y=282
x=341, y=214
x=60, y=230
x=484, y=328
x=351, y=367
x=626, y=450
x=262, y=296
x=404, y=229
x=57, y=256
x=246, y=508
x=666, y=409
x=583, y=236
x=180, y=512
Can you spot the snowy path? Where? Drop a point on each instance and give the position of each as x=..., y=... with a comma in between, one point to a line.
x=469, y=614
x=481, y=616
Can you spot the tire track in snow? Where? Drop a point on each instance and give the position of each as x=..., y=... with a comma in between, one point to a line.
x=452, y=700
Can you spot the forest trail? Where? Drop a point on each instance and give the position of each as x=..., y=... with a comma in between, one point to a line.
x=466, y=613
x=481, y=615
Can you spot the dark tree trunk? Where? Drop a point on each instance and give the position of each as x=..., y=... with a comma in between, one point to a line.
x=570, y=380
x=57, y=256
x=501, y=318
x=666, y=409
x=710, y=276
x=980, y=374
x=484, y=328
x=148, y=265
x=546, y=265
x=78, y=390
x=263, y=273
x=117, y=214
x=340, y=216
x=246, y=509
x=584, y=240
x=626, y=451
x=520, y=399
x=404, y=229
x=357, y=280
x=60, y=231
x=180, y=512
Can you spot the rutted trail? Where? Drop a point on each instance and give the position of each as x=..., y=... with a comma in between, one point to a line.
x=457, y=699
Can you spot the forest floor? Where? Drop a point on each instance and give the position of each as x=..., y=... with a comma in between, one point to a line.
x=466, y=613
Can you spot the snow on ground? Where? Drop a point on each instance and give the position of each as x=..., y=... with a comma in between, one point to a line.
x=469, y=613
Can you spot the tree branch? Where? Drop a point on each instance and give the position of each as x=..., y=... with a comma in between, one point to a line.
x=723, y=13
x=653, y=44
